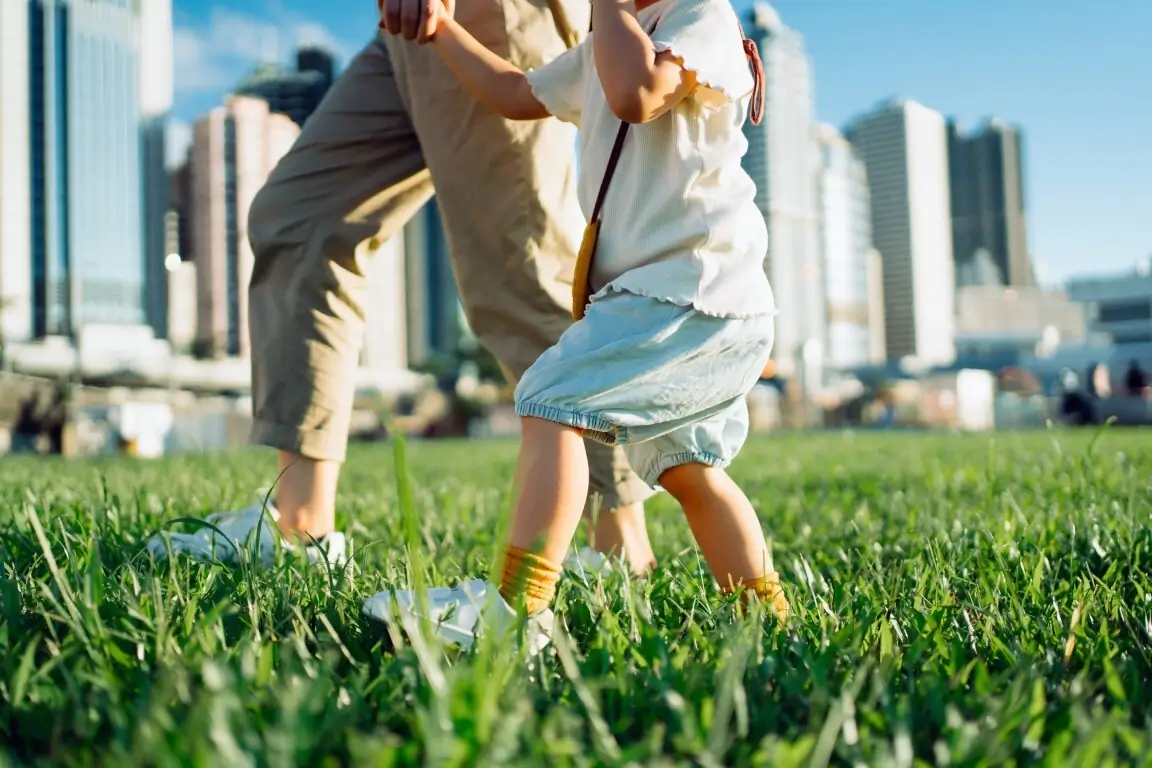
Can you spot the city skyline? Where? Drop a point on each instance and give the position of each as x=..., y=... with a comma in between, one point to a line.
x=782, y=161
x=1087, y=157
x=835, y=211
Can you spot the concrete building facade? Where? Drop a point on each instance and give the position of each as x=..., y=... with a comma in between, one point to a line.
x=234, y=149
x=1117, y=306
x=989, y=224
x=905, y=151
x=156, y=97
x=849, y=262
x=85, y=151
x=293, y=92
x=782, y=160
x=15, y=176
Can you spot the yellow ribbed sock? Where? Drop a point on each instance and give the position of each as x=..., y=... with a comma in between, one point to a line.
x=531, y=576
x=768, y=589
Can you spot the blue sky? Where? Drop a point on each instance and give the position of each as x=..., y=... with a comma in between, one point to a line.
x=1076, y=76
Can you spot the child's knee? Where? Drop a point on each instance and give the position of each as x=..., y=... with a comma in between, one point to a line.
x=688, y=480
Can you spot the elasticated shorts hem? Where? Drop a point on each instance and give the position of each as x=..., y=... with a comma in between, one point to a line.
x=593, y=427
x=662, y=464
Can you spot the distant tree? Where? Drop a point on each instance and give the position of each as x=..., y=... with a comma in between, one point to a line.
x=487, y=367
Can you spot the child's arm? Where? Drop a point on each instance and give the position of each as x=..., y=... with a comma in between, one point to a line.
x=640, y=84
x=485, y=75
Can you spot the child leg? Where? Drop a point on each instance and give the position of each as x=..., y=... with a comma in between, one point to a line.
x=689, y=463
x=722, y=521
x=727, y=530
x=551, y=485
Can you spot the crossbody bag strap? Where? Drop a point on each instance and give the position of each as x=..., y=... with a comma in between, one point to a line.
x=563, y=24
x=614, y=156
x=756, y=109
x=613, y=159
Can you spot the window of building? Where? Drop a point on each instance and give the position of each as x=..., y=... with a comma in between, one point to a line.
x=1123, y=312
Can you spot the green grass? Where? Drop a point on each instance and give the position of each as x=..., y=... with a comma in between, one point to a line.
x=957, y=601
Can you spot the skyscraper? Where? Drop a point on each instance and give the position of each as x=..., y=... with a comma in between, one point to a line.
x=15, y=181
x=782, y=160
x=904, y=147
x=295, y=93
x=86, y=239
x=988, y=220
x=234, y=149
x=849, y=260
x=156, y=94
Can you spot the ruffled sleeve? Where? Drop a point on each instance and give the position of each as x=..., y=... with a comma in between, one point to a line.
x=561, y=84
x=705, y=36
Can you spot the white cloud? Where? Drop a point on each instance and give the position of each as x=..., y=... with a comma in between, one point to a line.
x=212, y=57
x=311, y=33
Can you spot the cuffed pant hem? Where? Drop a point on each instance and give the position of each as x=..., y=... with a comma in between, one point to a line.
x=633, y=491
x=315, y=445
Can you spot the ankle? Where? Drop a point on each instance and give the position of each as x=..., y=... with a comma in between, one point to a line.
x=767, y=589
x=529, y=577
x=623, y=533
x=306, y=495
x=303, y=522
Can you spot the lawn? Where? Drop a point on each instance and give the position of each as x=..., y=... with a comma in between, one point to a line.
x=958, y=600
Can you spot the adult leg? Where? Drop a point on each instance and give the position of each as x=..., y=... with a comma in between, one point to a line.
x=514, y=237
x=354, y=177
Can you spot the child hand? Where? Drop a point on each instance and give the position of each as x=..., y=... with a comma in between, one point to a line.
x=441, y=13
x=415, y=20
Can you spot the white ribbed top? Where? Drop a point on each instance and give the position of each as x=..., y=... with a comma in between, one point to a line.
x=679, y=222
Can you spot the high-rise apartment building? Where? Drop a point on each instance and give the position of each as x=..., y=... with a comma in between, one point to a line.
x=156, y=96
x=782, y=160
x=15, y=178
x=850, y=264
x=904, y=147
x=85, y=150
x=295, y=93
x=989, y=225
x=234, y=149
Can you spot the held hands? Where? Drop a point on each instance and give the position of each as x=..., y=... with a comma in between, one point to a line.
x=415, y=20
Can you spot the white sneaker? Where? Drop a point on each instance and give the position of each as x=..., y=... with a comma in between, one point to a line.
x=239, y=528
x=588, y=562
x=463, y=613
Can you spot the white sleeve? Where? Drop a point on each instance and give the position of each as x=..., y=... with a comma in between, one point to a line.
x=705, y=36
x=561, y=84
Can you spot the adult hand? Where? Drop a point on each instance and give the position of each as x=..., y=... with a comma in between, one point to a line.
x=414, y=19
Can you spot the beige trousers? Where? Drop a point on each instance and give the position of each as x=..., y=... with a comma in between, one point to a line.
x=393, y=126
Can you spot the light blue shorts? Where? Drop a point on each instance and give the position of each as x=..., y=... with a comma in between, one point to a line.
x=665, y=381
